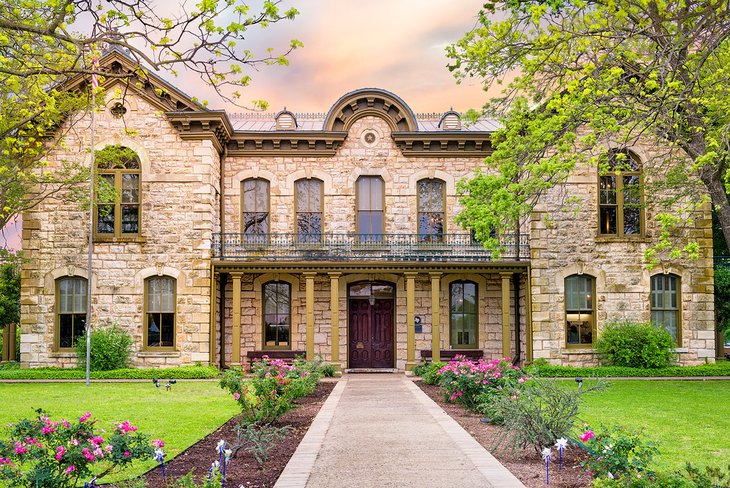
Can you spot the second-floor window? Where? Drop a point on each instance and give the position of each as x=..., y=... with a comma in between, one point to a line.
x=118, y=199
x=620, y=206
x=370, y=204
x=430, y=210
x=255, y=220
x=309, y=210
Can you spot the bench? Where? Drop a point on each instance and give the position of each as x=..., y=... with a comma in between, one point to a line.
x=450, y=354
x=287, y=356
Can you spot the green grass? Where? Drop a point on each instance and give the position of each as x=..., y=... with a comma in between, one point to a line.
x=688, y=418
x=179, y=417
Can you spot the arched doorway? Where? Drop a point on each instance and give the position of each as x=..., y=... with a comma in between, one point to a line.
x=371, y=323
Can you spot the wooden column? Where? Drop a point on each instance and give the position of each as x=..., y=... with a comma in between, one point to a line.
x=213, y=310
x=236, y=329
x=435, y=316
x=411, y=320
x=309, y=276
x=506, y=334
x=335, y=320
x=528, y=317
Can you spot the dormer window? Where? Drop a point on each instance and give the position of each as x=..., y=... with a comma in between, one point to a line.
x=451, y=120
x=285, y=120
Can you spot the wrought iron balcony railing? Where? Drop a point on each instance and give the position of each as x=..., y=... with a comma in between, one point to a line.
x=365, y=247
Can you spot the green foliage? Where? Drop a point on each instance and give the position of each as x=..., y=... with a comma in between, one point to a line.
x=721, y=368
x=111, y=348
x=722, y=298
x=541, y=413
x=14, y=372
x=188, y=481
x=44, y=453
x=635, y=345
x=474, y=384
x=9, y=295
x=259, y=440
x=586, y=78
x=616, y=452
x=429, y=372
x=689, y=476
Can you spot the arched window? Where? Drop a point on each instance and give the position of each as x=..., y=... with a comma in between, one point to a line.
x=159, y=331
x=277, y=314
x=70, y=311
x=665, y=302
x=620, y=196
x=463, y=314
x=118, y=195
x=309, y=195
x=255, y=220
x=431, y=210
x=370, y=204
x=580, y=309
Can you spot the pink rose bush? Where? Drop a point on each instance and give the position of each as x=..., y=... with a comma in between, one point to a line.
x=61, y=454
x=616, y=453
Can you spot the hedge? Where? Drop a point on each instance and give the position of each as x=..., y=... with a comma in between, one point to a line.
x=182, y=372
x=721, y=368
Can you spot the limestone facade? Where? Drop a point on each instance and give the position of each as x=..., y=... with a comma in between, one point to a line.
x=194, y=163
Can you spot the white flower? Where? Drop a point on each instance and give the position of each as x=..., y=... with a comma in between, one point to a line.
x=221, y=446
x=215, y=465
x=610, y=475
x=546, y=453
x=228, y=453
x=561, y=443
x=608, y=448
x=159, y=454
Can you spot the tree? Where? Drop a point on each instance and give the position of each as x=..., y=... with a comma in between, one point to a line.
x=586, y=76
x=46, y=43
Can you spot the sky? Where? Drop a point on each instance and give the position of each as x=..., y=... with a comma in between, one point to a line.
x=397, y=45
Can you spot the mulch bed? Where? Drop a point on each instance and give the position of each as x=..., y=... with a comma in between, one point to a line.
x=243, y=469
x=527, y=465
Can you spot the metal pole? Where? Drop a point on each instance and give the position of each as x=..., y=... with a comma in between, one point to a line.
x=91, y=240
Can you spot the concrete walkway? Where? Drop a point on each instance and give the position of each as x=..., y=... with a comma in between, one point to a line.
x=381, y=430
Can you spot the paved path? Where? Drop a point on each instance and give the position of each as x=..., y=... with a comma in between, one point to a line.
x=381, y=430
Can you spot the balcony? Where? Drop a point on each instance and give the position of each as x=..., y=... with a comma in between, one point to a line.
x=364, y=247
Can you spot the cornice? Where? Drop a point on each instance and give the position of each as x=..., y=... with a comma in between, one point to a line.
x=372, y=267
x=286, y=143
x=438, y=144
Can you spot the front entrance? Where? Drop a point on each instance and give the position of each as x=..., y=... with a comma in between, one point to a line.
x=371, y=314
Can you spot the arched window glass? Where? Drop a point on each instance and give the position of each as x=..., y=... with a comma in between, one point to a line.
x=430, y=210
x=370, y=203
x=620, y=195
x=118, y=194
x=255, y=209
x=309, y=195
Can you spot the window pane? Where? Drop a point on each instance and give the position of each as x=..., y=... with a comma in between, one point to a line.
x=470, y=298
x=249, y=196
x=130, y=219
x=376, y=194
x=130, y=188
x=632, y=220
x=608, y=190
x=105, y=219
x=608, y=220
x=65, y=330
x=153, y=329
x=167, y=333
x=262, y=195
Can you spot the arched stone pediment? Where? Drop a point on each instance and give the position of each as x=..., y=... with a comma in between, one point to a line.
x=370, y=101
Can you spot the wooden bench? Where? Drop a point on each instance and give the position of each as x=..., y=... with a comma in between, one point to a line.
x=287, y=356
x=450, y=354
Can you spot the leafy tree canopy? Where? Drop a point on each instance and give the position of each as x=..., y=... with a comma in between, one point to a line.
x=9, y=295
x=46, y=43
x=583, y=77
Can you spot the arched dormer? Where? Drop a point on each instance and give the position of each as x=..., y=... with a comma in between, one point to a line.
x=451, y=120
x=370, y=101
x=285, y=120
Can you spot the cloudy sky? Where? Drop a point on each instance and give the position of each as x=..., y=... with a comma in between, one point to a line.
x=397, y=45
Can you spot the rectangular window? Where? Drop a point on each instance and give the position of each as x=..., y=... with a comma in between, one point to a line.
x=256, y=210
x=370, y=208
x=579, y=310
x=118, y=194
x=620, y=211
x=309, y=210
x=463, y=315
x=665, y=304
x=277, y=314
x=160, y=313
x=430, y=211
x=71, y=310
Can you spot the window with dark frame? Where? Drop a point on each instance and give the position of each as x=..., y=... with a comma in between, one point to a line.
x=277, y=314
x=309, y=194
x=579, y=309
x=118, y=212
x=370, y=198
x=71, y=310
x=620, y=200
x=255, y=210
x=160, y=312
x=430, y=210
x=665, y=303
x=463, y=314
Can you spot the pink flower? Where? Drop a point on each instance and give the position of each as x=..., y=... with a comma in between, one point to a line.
x=70, y=469
x=236, y=396
x=60, y=451
x=521, y=380
x=65, y=423
x=6, y=461
x=48, y=430
x=84, y=418
x=20, y=448
x=87, y=454
x=587, y=435
x=158, y=443
x=126, y=454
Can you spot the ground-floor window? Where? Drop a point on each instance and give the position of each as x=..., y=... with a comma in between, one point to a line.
x=463, y=315
x=579, y=309
x=160, y=312
x=70, y=310
x=277, y=314
x=665, y=303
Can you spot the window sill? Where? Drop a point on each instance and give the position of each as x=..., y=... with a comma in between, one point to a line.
x=120, y=239
x=158, y=354
x=622, y=239
x=62, y=354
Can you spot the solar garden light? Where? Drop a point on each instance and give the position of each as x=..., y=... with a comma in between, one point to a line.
x=580, y=383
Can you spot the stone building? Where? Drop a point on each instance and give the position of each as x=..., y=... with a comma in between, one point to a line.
x=232, y=237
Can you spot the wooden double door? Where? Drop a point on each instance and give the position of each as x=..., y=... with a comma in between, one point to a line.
x=371, y=313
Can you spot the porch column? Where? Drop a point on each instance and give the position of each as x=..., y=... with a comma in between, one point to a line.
x=213, y=309
x=506, y=335
x=335, y=320
x=236, y=329
x=435, y=316
x=309, y=277
x=528, y=317
x=411, y=319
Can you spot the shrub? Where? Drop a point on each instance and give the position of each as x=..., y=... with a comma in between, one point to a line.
x=429, y=371
x=259, y=440
x=617, y=452
x=464, y=381
x=540, y=413
x=59, y=454
x=111, y=348
x=635, y=344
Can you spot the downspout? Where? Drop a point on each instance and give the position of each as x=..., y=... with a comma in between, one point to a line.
x=518, y=348
x=223, y=277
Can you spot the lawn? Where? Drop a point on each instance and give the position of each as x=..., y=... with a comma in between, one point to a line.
x=688, y=418
x=180, y=417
